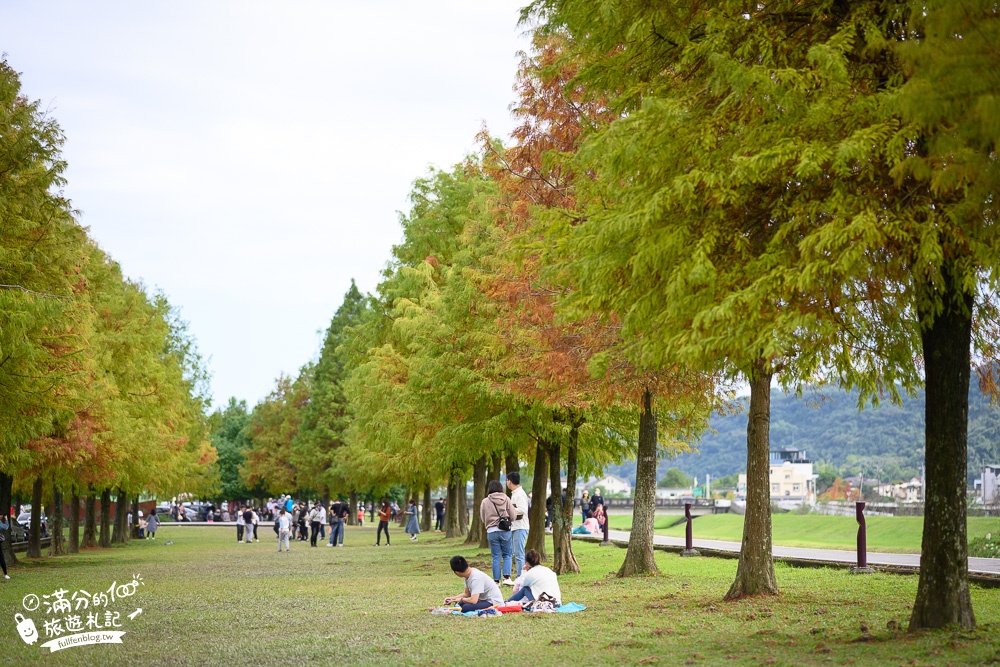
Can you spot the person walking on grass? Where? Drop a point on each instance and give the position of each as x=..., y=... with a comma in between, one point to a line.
x=303, y=530
x=596, y=500
x=412, y=520
x=256, y=520
x=332, y=517
x=480, y=591
x=497, y=513
x=247, y=525
x=384, y=514
x=284, y=524
x=294, y=519
x=152, y=523
x=519, y=526
x=345, y=513
x=314, y=524
x=4, y=525
x=439, y=515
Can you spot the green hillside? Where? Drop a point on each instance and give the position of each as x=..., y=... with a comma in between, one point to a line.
x=829, y=427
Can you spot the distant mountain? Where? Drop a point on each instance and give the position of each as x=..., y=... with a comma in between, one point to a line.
x=829, y=427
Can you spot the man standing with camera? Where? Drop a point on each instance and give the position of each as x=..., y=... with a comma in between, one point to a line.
x=519, y=526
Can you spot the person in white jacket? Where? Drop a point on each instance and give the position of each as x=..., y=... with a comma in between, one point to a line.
x=519, y=526
x=284, y=529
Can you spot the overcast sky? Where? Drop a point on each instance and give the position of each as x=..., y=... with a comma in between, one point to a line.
x=249, y=158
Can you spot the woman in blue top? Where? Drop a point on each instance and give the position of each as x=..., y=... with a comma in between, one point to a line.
x=413, y=522
x=4, y=525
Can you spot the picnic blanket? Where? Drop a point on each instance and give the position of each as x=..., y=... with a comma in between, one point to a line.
x=568, y=608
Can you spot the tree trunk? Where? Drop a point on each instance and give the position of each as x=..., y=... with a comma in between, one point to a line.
x=133, y=530
x=6, y=482
x=56, y=546
x=477, y=532
x=104, y=539
x=425, y=518
x=401, y=515
x=73, y=545
x=569, y=563
x=755, y=571
x=943, y=589
x=121, y=518
x=451, y=523
x=536, y=518
x=493, y=471
x=352, y=519
x=639, y=558
x=35, y=527
x=463, y=506
x=562, y=511
x=90, y=519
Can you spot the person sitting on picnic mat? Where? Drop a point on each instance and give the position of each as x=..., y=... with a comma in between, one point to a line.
x=537, y=582
x=481, y=592
x=589, y=527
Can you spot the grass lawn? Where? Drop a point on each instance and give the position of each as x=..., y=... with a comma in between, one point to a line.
x=893, y=534
x=207, y=600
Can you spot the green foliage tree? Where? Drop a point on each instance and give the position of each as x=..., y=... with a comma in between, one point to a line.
x=270, y=430
x=325, y=418
x=674, y=479
x=231, y=444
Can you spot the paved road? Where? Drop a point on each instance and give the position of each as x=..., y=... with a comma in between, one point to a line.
x=989, y=567
x=985, y=566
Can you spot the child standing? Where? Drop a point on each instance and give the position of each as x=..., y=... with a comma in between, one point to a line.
x=152, y=523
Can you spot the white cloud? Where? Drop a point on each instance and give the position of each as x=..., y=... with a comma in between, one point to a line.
x=249, y=157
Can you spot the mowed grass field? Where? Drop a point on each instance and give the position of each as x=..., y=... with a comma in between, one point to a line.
x=891, y=534
x=207, y=600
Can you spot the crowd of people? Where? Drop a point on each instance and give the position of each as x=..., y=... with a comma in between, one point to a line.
x=298, y=521
x=294, y=521
x=504, y=516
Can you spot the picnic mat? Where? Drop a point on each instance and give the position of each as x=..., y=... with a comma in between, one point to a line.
x=568, y=608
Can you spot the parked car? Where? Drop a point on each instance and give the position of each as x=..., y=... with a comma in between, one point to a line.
x=17, y=533
x=24, y=521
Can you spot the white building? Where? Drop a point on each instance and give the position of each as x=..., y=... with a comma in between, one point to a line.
x=610, y=485
x=908, y=492
x=989, y=483
x=674, y=494
x=792, y=477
